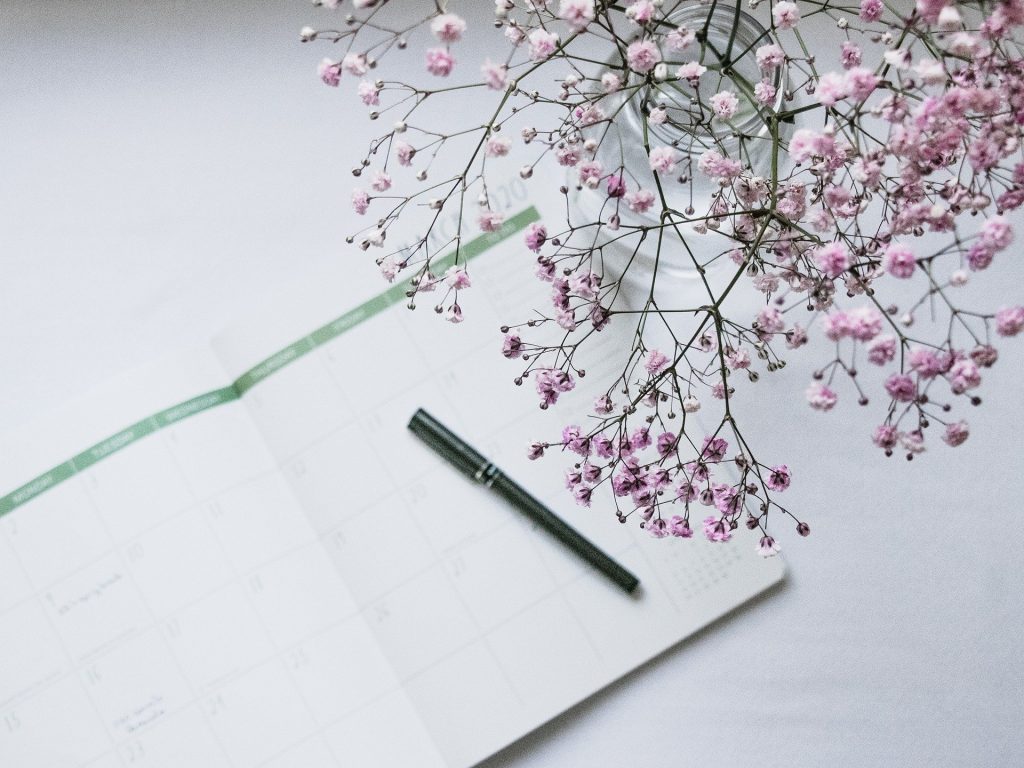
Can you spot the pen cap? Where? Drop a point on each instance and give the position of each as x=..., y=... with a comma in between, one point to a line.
x=458, y=453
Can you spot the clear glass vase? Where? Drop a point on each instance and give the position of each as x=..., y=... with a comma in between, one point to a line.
x=682, y=260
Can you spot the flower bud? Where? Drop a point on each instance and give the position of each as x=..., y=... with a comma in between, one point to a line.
x=949, y=19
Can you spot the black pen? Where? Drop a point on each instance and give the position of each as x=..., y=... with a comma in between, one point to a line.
x=468, y=461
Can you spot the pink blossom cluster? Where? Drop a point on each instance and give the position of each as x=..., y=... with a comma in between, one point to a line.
x=893, y=171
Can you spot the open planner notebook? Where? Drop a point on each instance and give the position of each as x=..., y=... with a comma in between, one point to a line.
x=264, y=568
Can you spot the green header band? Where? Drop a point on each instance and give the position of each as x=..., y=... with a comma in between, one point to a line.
x=195, y=405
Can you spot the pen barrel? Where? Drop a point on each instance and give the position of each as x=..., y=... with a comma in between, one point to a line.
x=562, y=531
x=448, y=445
x=471, y=463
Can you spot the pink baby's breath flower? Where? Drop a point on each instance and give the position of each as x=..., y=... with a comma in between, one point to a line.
x=956, y=433
x=611, y=82
x=831, y=88
x=390, y=267
x=404, y=152
x=860, y=83
x=576, y=13
x=985, y=355
x=770, y=57
x=448, y=27
x=980, y=256
x=569, y=154
x=440, y=62
x=453, y=314
x=535, y=236
x=574, y=440
x=680, y=39
x=769, y=320
x=711, y=163
x=899, y=261
x=512, y=346
x=885, y=436
x=514, y=34
x=582, y=494
x=832, y=258
x=927, y=363
x=666, y=443
x=369, y=93
x=725, y=104
x=360, y=201
x=330, y=72
x=882, y=350
x=820, y=397
x=381, y=182
x=495, y=75
x=851, y=55
x=1010, y=321
x=949, y=19
x=901, y=388
x=929, y=9
x=779, y=478
x=738, y=359
x=912, y=442
x=996, y=233
x=713, y=449
x=963, y=376
x=870, y=10
x=765, y=92
x=663, y=159
x=835, y=326
x=686, y=492
x=768, y=547
x=552, y=382
x=716, y=530
x=590, y=114
x=542, y=44
x=677, y=526
x=640, y=201
x=354, y=64
x=802, y=145
x=640, y=11
x=590, y=174
x=490, y=221
x=865, y=323
x=642, y=56
x=498, y=146
x=691, y=71
x=457, y=278
x=786, y=14
x=656, y=362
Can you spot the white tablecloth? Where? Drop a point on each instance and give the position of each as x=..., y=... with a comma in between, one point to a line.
x=164, y=166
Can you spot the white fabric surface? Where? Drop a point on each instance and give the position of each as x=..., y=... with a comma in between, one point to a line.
x=164, y=166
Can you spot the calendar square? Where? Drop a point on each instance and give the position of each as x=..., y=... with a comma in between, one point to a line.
x=155, y=556
x=56, y=533
x=217, y=638
x=96, y=607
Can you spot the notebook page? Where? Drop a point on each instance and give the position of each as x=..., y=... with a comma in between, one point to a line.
x=491, y=627
x=165, y=602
